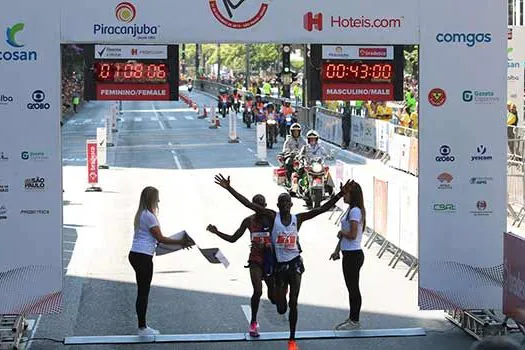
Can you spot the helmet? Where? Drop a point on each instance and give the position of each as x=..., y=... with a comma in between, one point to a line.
x=312, y=134
x=270, y=105
x=234, y=91
x=249, y=96
x=258, y=97
x=295, y=126
x=222, y=90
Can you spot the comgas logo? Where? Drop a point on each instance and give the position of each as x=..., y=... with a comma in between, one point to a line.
x=241, y=14
x=469, y=39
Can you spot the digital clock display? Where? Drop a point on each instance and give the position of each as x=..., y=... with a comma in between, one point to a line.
x=358, y=72
x=131, y=72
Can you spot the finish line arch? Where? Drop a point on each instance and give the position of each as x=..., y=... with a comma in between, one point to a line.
x=460, y=57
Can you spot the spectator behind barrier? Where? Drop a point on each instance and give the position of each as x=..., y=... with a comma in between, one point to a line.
x=496, y=343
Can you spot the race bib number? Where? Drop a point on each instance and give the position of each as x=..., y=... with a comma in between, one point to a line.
x=261, y=238
x=286, y=241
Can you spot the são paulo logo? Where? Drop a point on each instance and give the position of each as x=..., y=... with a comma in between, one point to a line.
x=125, y=13
x=39, y=101
x=13, y=40
x=239, y=14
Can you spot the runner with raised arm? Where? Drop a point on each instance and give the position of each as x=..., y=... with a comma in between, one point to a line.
x=261, y=257
x=285, y=239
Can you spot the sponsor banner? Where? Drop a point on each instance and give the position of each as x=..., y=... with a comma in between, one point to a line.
x=366, y=92
x=261, y=142
x=102, y=146
x=92, y=161
x=341, y=52
x=133, y=92
x=357, y=131
x=369, y=133
x=452, y=213
x=381, y=207
x=328, y=126
x=513, y=277
x=117, y=52
x=376, y=22
x=31, y=273
x=382, y=135
x=515, y=70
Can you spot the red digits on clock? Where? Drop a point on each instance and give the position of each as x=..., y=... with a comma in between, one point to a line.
x=105, y=70
x=387, y=71
x=138, y=71
x=161, y=73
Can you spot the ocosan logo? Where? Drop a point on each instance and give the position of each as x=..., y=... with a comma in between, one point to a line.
x=469, y=39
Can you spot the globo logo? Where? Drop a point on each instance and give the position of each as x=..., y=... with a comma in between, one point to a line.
x=469, y=39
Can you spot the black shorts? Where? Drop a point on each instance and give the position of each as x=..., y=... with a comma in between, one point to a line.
x=285, y=271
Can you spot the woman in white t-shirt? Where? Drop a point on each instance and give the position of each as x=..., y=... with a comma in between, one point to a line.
x=352, y=225
x=147, y=235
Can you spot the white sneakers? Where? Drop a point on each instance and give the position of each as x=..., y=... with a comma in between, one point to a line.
x=347, y=325
x=145, y=332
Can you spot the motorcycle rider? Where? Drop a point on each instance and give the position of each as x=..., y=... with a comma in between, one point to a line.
x=313, y=149
x=292, y=146
x=248, y=104
x=223, y=99
x=235, y=96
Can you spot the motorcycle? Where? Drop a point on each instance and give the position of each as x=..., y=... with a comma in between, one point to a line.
x=271, y=133
x=223, y=106
x=236, y=105
x=312, y=182
x=190, y=87
x=280, y=174
x=247, y=116
x=289, y=120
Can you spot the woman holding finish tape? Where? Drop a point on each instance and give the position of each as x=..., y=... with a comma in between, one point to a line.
x=352, y=225
x=147, y=236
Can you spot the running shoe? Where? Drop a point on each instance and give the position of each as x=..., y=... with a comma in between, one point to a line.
x=254, y=329
x=347, y=325
x=148, y=331
x=292, y=345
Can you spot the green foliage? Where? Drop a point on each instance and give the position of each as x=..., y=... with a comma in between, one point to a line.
x=412, y=60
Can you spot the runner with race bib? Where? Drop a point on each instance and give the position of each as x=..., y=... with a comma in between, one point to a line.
x=261, y=259
x=285, y=238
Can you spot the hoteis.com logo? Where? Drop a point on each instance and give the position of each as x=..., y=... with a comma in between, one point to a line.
x=239, y=14
x=126, y=13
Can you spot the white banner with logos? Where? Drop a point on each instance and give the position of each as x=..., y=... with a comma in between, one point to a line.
x=118, y=52
x=515, y=69
x=102, y=146
x=455, y=222
x=380, y=22
x=369, y=132
x=261, y=142
x=342, y=52
x=30, y=166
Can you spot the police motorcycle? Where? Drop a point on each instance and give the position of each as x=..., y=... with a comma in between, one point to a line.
x=223, y=102
x=313, y=182
x=248, y=114
x=235, y=101
x=271, y=126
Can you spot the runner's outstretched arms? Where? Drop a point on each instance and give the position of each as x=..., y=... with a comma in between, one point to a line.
x=230, y=238
x=225, y=183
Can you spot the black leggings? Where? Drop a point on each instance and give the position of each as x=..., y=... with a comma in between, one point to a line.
x=352, y=263
x=143, y=266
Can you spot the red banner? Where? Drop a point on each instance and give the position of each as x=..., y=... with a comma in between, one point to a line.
x=92, y=162
x=133, y=92
x=352, y=92
x=380, y=207
x=513, y=275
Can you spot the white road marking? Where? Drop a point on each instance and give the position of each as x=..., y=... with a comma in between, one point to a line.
x=157, y=116
x=175, y=158
x=188, y=117
x=138, y=119
x=86, y=121
x=33, y=332
x=159, y=110
x=172, y=118
x=247, y=310
x=102, y=120
x=154, y=119
x=250, y=150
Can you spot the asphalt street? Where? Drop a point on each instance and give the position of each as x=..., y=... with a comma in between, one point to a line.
x=165, y=145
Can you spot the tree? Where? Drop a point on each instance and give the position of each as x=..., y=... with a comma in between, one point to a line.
x=412, y=60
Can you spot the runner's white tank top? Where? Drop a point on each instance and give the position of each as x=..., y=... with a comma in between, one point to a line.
x=285, y=239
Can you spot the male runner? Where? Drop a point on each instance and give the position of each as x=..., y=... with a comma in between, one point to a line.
x=261, y=256
x=285, y=239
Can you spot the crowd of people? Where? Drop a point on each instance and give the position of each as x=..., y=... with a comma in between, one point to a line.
x=72, y=92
